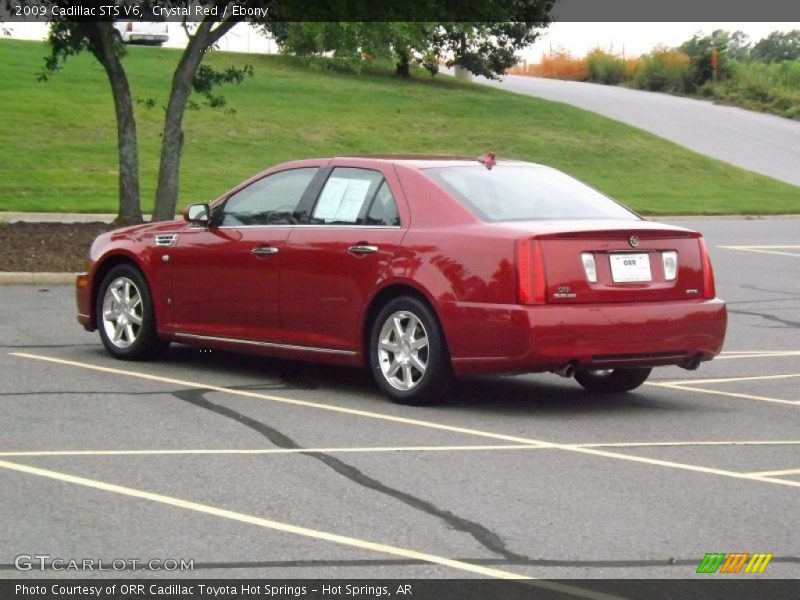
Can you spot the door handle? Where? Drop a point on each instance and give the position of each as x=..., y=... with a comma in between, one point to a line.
x=264, y=250
x=362, y=249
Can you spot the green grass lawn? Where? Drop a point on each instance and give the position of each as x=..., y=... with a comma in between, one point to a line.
x=58, y=150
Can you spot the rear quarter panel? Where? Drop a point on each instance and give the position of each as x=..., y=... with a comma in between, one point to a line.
x=464, y=266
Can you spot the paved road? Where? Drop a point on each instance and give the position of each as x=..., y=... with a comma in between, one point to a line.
x=638, y=485
x=758, y=142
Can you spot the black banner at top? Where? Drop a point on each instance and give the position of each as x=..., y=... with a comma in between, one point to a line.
x=405, y=10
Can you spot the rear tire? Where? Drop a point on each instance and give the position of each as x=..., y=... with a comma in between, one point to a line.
x=612, y=380
x=408, y=355
x=125, y=316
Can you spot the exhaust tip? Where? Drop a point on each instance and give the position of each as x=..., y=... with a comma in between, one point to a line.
x=567, y=371
x=692, y=364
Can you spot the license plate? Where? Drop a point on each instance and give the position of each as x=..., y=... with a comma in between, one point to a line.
x=630, y=267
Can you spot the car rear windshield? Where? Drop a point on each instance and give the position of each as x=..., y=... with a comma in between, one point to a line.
x=522, y=193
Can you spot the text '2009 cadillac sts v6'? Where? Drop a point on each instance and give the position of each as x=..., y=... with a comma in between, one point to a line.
x=418, y=268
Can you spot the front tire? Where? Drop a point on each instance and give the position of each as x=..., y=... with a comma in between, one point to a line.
x=125, y=317
x=407, y=353
x=612, y=380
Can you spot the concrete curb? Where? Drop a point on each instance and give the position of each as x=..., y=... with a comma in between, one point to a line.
x=32, y=217
x=37, y=278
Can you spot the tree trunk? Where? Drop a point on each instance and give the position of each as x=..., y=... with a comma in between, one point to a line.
x=172, y=139
x=130, y=211
x=404, y=63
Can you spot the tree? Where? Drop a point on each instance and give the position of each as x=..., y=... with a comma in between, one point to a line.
x=487, y=48
x=482, y=47
x=778, y=47
x=68, y=37
x=701, y=49
x=352, y=41
x=739, y=46
x=207, y=34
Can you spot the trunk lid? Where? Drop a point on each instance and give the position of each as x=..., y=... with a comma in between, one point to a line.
x=633, y=261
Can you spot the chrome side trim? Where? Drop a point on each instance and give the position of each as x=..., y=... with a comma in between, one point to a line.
x=310, y=226
x=211, y=338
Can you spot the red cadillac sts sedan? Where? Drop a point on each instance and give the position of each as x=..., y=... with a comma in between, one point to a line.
x=418, y=268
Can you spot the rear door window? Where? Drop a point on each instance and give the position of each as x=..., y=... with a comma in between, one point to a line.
x=383, y=210
x=355, y=197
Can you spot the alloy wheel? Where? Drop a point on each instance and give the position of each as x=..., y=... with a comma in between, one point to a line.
x=123, y=312
x=403, y=350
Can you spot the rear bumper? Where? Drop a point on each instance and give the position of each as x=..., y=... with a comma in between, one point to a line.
x=511, y=338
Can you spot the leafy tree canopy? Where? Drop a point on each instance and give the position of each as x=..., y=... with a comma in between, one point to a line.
x=778, y=46
x=482, y=47
x=700, y=50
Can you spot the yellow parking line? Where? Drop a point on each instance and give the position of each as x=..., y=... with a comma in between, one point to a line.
x=723, y=379
x=777, y=473
x=671, y=444
x=261, y=451
x=777, y=252
x=301, y=531
x=283, y=400
x=762, y=250
x=675, y=386
x=369, y=450
x=261, y=522
x=777, y=354
x=415, y=422
x=767, y=247
x=724, y=352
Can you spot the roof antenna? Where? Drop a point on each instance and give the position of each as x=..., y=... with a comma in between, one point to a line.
x=487, y=160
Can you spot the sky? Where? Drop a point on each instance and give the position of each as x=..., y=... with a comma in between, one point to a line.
x=577, y=38
x=636, y=38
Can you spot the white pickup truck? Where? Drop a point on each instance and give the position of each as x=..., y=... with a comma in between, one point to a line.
x=142, y=32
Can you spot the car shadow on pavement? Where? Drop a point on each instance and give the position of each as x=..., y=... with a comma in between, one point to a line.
x=546, y=393
x=528, y=394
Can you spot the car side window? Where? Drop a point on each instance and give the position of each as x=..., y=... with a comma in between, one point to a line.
x=347, y=196
x=384, y=208
x=269, y=201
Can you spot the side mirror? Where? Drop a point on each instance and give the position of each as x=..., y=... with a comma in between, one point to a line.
x=197, y=213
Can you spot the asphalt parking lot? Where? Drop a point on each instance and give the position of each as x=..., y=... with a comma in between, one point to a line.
x=255, y=468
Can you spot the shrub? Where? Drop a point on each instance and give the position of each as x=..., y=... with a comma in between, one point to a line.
x=632, y=65
x=664, y=70
x=760, y=86
x=562, y=65
x=605, y=68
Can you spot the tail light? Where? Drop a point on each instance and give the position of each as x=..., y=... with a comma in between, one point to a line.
x=531, y=283
x=129, y=27
x=709, y=291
